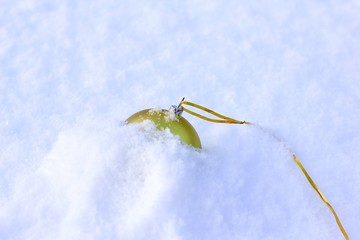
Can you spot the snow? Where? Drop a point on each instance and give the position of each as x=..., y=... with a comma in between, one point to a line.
x=71, y=72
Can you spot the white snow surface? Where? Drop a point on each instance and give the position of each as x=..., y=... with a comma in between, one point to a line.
x=71, y=72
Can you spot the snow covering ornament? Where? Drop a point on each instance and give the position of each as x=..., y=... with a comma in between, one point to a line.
x=179, y=126
x=170, y=119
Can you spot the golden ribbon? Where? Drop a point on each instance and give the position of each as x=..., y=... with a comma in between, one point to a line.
x=224, y=119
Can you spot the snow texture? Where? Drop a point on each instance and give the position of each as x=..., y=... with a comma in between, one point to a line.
x=71, y=72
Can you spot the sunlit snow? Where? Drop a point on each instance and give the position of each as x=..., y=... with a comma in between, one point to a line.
x=71, y=72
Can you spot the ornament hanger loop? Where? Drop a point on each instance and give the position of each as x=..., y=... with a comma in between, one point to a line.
x=178, y=110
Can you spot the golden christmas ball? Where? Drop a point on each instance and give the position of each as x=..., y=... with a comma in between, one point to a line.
x=168, y=119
